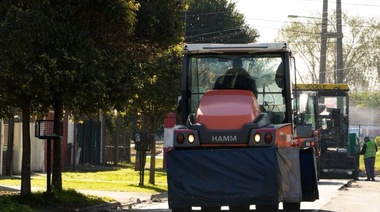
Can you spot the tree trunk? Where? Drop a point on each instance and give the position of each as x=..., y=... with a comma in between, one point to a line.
x=152, y=171
x=103, y=139
x=11, y=124
x=116, y=139
x=26, y=151
x=57, y=160
x=127, y=141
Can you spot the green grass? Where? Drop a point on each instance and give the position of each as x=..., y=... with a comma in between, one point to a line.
x=123, y=178
x=377, y=163
x=119, y=179
x=64, y=200
x=9, y=203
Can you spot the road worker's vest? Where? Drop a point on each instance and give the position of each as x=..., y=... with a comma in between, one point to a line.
x=370, y=151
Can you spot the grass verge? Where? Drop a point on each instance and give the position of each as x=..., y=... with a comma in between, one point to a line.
x=66, y=200
x=377, y=163
x=107, y=178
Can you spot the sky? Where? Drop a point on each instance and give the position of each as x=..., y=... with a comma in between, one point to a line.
x=268, y=16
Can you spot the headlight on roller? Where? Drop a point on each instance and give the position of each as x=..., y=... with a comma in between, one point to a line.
x=191, y=138
x=185, y=138
x=257, y=137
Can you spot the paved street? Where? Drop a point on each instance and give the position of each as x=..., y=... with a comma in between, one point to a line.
x=328, y=189
x=335, y=196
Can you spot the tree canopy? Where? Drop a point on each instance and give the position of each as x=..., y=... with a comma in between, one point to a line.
x=79, y=55
x=158, y=79
x=360, y=55
x=216, y=21
x=87, y=56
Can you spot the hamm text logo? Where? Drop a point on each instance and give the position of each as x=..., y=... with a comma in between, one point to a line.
x=224, y=138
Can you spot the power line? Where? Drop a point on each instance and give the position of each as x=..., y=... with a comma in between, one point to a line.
x=351, y=4
x=208, y=13
x=330, y=2
x=210, y=33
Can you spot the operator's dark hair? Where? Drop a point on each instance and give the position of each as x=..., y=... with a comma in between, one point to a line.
x=237, y=63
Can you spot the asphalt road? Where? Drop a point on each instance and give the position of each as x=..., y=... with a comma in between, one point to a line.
x=328, y=189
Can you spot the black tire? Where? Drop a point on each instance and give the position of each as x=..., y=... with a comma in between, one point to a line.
x=355, y=175
x=240, y=208
x=185, y=209
x=267, y=208
x=211, y=209
x=292, y=206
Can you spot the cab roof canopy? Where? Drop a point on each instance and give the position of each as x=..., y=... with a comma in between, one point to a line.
x=248, y=47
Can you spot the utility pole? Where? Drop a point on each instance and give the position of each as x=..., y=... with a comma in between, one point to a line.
x=322, y=69
x=339, y=43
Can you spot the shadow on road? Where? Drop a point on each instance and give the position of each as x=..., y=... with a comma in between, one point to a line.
x=167, y=210
x=330, y=183
x=2, y=188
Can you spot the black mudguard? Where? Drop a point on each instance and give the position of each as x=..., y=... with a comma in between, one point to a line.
x=221, y=177
x=309, y=176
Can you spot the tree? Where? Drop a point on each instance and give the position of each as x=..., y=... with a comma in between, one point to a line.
x=365, y=99
x=158, y=27
x=361, y=58
x=216, y=21
x=53, y=53
x=155, y=94
x=360, y=55
x=94, y=38
x=78, y=55
x=155, y=87
x=301, y=37
x=155, y=63
x=22, y=72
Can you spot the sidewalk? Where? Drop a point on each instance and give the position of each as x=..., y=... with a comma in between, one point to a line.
x=356, y=196
x=122, y=199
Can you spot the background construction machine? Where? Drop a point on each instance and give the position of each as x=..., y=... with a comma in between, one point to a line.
x=234, y=144
x=338, y=148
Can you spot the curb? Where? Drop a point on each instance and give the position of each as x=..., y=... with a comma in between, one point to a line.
x=348, y=184
x=101, y=207
x=159, y=197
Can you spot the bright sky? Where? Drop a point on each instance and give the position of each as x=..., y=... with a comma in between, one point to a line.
x=268, y=16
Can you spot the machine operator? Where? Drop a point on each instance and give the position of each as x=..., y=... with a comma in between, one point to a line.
x=236, y=78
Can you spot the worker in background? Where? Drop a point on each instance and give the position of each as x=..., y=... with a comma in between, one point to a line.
x=236, y=78
x=369, y=151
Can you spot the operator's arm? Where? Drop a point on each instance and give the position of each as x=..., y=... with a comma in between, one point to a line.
x=363, y=149
x=217, y=83
x=254, y=88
